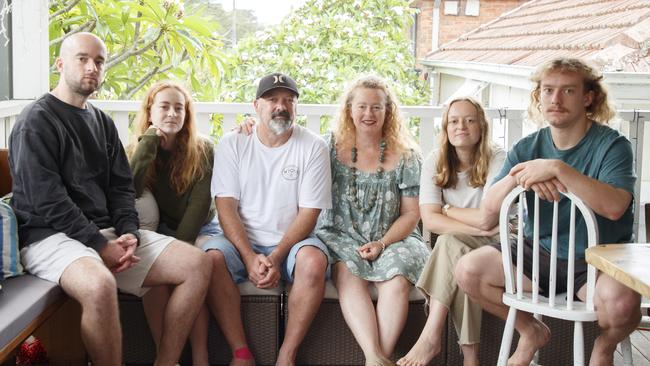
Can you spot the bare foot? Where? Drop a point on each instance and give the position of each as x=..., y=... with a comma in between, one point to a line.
x=424, y=350
x=529, y=343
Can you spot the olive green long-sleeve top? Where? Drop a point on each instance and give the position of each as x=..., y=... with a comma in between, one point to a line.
x=185, y=213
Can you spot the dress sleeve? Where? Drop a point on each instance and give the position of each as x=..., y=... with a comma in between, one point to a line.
x=198, y=207
x=144, y=155
x=409, y=180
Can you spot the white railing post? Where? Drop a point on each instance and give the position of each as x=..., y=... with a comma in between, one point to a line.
x=203, y=123
x=514, y=129
x=313, y=123
x=121, y=120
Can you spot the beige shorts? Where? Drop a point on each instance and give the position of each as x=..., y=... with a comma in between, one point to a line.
x=48, y=258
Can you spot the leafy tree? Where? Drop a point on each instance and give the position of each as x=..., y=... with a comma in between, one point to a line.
x=325, y=44
x=147, y=40
x=246, y=21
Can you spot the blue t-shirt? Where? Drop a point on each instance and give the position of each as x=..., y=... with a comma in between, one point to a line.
x=603, y=154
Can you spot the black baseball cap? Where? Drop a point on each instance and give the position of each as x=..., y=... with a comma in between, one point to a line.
x=274, y=81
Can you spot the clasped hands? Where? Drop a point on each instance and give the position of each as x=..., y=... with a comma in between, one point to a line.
x=263, y=272
x=119, y=254
x=540, y=175
x=370, y=251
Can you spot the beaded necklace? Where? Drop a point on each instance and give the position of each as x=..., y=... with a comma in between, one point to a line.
x=352, y=196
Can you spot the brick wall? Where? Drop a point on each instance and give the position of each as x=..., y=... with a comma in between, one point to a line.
x=452, y=26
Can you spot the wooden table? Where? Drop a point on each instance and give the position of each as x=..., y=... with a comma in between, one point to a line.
x=627, y=263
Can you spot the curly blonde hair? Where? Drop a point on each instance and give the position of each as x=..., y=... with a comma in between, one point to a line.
x=188, y=160
x=448, y=164
x=600, y=110
x=394, y=132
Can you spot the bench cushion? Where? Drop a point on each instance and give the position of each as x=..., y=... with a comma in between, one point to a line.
x=9, y=253
x=22, y=299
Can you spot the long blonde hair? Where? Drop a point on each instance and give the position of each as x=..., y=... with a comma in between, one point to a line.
x=394, y=132
x=599, y=110
x=448, y=163
x=188, y=160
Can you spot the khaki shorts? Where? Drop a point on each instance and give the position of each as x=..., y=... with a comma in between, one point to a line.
x=48, y=258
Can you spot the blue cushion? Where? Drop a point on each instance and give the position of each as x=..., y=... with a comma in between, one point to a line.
x=9, y=253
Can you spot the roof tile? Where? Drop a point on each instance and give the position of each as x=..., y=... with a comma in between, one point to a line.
x=614, y=34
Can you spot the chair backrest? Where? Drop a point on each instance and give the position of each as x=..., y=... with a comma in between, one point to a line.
x=5, y=176
x=514, y=284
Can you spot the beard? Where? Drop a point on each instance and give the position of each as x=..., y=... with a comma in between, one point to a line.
x=82, y=87
x=278, y=125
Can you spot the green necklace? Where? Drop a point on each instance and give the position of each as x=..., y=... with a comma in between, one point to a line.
x=352, y=196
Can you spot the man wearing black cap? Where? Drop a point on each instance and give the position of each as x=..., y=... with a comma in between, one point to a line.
x=269, y=188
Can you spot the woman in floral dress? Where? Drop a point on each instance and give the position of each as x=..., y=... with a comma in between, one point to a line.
x=371, y=231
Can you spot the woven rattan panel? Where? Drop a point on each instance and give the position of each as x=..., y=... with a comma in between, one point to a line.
x=261, y=315
x=329, y=341
x=559, y=351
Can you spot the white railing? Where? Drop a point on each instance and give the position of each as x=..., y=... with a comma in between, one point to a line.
x=508, y=125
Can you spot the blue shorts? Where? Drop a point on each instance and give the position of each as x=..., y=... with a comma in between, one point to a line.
x=237, y=268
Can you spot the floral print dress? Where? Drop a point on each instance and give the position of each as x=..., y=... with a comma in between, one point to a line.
x=344, y=228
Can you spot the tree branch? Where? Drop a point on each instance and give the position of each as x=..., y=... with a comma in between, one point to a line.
x=64, y=9
x=86, y=27
x=145, y=79
x=112, y=61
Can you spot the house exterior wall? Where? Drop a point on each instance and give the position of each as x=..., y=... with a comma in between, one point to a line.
x=452, y=26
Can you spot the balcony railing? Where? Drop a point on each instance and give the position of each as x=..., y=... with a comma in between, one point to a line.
x=508, y=125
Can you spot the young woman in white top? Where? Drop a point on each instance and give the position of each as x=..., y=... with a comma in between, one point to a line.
x=452, y=183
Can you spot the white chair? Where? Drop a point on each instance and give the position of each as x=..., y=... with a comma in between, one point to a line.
x=558, y=306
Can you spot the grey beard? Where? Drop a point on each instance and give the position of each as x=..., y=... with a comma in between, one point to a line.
x=280, y=126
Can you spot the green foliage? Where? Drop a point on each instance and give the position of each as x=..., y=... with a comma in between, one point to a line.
x=246, y=21
x=327, y=43
x=147, y=40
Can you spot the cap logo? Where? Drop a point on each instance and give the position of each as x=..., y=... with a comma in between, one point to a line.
x=278, y=78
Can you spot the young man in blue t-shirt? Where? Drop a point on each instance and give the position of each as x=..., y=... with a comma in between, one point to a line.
x=579, y=153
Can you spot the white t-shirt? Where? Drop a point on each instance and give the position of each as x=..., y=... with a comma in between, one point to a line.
x=271, y=183
x=463, y=195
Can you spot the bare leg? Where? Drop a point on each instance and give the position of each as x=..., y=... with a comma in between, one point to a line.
x=358, y=310
x=188, y=270
x=225, y=303
x=199, y=338
x=154, y=303
x=305, y=299
x=470, y=354
x=88, y=281
x=392, y=309
x=619, y=312
x=429, y=344
x=480, y=274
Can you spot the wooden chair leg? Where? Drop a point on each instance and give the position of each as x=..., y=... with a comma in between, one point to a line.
x=506, y=341
x=578, y=344
x=626, y=350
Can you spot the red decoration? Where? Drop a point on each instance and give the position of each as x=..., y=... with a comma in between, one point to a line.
x=32, y=352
